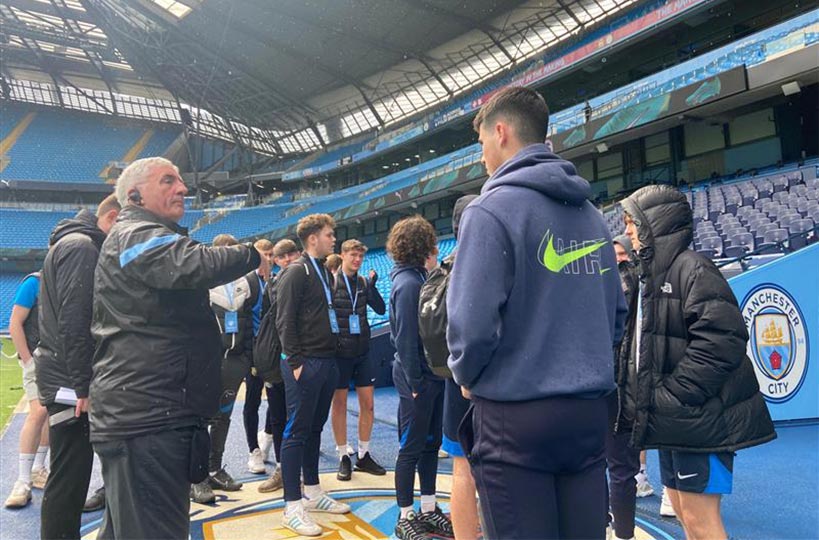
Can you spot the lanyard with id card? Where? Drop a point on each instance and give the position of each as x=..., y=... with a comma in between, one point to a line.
x=355, y=321
x=231, y=317
x=325, y=283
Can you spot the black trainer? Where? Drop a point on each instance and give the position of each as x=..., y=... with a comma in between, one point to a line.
x=345, y=469
x=437, y=523
x=95, y=502
x=223, y=481
x=368, y=465
x=202, y=493
x=411, y=528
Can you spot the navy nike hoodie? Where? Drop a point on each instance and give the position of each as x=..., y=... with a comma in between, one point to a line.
x=535, y=304
x=409, y=349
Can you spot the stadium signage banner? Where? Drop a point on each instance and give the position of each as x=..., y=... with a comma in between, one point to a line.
x=660, y=15
x=780, y=306
x=654, y=108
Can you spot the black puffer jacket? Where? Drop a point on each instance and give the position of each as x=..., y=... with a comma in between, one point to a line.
x=695, y=389
x=66, y=348
x=349, y=345
x=157, y=361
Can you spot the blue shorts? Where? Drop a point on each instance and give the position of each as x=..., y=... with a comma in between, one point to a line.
x=697, y=473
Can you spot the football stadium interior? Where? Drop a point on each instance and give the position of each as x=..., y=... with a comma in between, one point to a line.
x=274, y=110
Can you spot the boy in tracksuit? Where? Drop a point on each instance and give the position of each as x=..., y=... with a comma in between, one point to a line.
x=284, y=252
x=352, y=294
x=531, y=336
x=253, y=383
x=421, y=393
x=308, y=327
x=231, y=304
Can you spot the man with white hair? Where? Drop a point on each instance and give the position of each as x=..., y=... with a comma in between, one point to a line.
x=156, y=367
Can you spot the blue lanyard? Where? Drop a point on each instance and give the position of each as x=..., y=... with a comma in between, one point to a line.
x=229, y=291
x=324, y=283
x=349, y=291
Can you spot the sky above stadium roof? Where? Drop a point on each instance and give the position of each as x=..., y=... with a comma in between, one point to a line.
x=283, y=76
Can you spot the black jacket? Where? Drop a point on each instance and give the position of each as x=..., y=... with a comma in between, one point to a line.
x=63, y=358
x=351, y=345
x=694, y=389
x=630, y=281
x=157, y=361
x=302, y=317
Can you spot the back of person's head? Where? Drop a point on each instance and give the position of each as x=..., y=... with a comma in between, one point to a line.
x=333, y=262
x=624, y=241
x=458, y=211
x=284, y=247
x=411, y=241
x=108, y=203
x=263, y=244
x=135, y=174
x=522, y=108
x=222, y=240
x=353, y=245
x=313, y=224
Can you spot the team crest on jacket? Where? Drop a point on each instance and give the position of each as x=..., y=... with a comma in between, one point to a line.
x=778, y=341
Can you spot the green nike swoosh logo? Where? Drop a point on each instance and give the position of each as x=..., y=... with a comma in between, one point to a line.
x=555, y=262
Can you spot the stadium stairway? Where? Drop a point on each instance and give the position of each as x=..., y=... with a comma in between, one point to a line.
x=9, y=140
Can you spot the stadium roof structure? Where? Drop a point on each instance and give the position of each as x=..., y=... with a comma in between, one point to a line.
x=283, y=77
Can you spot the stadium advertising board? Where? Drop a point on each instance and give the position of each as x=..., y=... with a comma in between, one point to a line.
x=654, y=108
x=780, y=306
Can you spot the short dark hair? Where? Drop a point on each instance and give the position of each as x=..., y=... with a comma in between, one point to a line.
x=284, y=247
x=522, y=107
x=411, y=241
x=313, y=224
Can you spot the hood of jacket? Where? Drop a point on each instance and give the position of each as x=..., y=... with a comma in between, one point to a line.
x=535, y=167
x=665, y=226
x=401, y=269
x=84, y=223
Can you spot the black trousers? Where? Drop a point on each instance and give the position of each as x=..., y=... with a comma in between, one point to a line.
x=308, y=406
x=71, y=462
x=146, y=486
x=623, y=464
x=420, y=421
x=276, y=418
x=250, y=414
x=234, y=369
x=539, y=467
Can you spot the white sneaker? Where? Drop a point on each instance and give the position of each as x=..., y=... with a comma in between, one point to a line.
x=39, y=478
x=666, y=509
x=300, y=523
x=644, y=487
x=325, y=504
x=20, y=495
x=255, y=463
x=265, y=442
